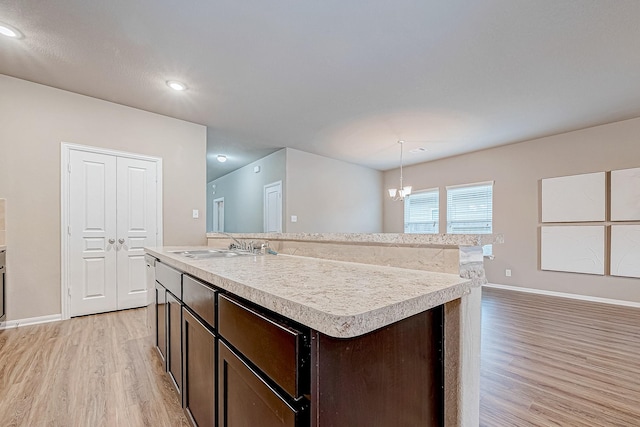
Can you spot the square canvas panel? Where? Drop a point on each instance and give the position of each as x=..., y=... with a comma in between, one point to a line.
x=575, y=198
x=625, y=250
x=625, y=195
x=575, y=249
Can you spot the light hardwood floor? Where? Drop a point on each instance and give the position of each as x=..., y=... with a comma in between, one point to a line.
x=89, y=371
x=550, y=361
x=545, y=362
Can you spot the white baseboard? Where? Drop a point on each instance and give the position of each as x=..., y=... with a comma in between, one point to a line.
x=565, y=295
x=30, y=321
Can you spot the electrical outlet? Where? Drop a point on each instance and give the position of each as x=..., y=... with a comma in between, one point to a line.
x=507, y=272
x=294, y=218
x=196, y=214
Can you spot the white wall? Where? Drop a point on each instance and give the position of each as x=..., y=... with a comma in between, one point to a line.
x=34, y=120
x=330, y=195
x=517, y=170
x=243, y=192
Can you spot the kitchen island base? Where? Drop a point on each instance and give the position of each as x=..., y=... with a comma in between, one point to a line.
x=389, y=377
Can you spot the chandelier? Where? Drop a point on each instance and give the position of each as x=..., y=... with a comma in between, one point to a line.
x=401, y=192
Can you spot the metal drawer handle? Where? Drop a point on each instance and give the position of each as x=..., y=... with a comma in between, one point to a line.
x=112, y=241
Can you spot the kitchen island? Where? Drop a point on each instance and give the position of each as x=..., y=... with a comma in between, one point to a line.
x=353, y=343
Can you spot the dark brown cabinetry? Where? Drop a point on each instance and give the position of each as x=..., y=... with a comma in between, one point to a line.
x=169, y=320
x=389, y=377
x=278, y=350
x=199, y=373
x=2, y=286
x=237, y=364
x=174, y=340
x=245, y=399
x=161, y=323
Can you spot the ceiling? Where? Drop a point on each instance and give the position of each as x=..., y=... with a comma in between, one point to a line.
x=342, y=79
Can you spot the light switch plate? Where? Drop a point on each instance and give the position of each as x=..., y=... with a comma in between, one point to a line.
x=196, y=214
x=294, y=218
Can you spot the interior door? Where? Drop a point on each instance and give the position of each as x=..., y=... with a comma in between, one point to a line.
x=273, y=207
x=218, y=214
x=92, y=233
x=136, y=228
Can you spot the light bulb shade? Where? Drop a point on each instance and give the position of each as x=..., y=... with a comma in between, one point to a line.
x=392, y=192
x=407, y=190
x=9, y=31
x=176, y=85
x=222, y=158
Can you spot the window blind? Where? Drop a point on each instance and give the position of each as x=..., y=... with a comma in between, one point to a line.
x=470, y=210
x=422, y=212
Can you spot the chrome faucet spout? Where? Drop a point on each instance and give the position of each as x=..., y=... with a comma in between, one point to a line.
x=236, y=241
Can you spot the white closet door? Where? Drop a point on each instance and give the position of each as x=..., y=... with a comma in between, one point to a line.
x=137, y=228
x=92, y=220
x=273, y=207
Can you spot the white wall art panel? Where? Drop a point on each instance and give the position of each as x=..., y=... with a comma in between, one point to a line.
x=625, y=250
x=574, y=198
x=575, y=249
x=625, y=195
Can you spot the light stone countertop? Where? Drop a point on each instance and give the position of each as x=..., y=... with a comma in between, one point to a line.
x=3, y=247
x=339, y=299
x=375, y=238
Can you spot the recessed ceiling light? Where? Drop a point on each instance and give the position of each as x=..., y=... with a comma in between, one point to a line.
x=418, y=150
x=176, y=85
x=222, y=158
x=9, y=31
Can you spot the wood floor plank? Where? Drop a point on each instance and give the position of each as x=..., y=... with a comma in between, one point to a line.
x=96, y=370
x=576, y=362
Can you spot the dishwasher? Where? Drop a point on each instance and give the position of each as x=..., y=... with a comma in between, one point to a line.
x=3, y=310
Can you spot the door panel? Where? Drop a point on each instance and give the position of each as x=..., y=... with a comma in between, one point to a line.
x=92, y=220
x=174, y=342
x=199, y=370
x=161, y=322
x=137, y=227
x=273, y=208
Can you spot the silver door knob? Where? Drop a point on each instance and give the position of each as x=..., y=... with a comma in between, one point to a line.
x=112, y=241
x=121, y=241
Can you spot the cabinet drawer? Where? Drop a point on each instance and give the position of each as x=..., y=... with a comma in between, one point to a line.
x=169, y=278
x=200, y=298
x=246, y=400
x=276, y=349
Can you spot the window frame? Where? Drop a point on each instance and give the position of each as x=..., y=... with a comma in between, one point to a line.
x=407, y=212
x=487, y=249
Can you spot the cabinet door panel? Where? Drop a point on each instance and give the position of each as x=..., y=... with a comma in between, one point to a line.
x=161, y=323
x=199, y=374
x=174, y=346
x=246, y=400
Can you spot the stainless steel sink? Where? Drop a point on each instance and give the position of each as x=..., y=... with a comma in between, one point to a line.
x=211, y=253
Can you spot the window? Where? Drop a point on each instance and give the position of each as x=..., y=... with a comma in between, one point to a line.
x=470, y=210
x=421, y=212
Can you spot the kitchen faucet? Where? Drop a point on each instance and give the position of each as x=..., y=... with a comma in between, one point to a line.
x=244, y=246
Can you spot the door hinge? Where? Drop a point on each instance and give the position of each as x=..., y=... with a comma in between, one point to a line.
x=69, y=230
x=69, y=291
x=69, y=167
